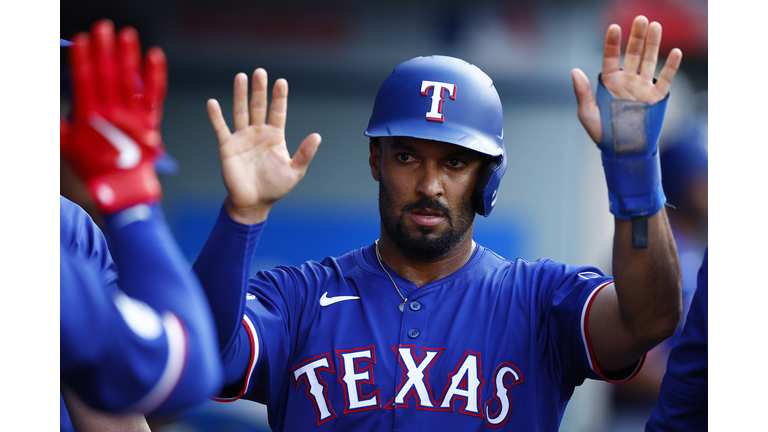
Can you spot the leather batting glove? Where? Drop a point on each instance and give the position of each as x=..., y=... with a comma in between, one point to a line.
x=114, y=135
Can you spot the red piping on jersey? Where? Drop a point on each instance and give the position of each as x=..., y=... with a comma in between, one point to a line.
x=251, y=362
x=590, y=353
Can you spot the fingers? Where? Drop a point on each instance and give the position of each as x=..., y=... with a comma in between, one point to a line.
x=306, y=152
x=84, y=87
x=636, y=44
x=581, y=87
x=129, y=59
x=278, y=110
x=217, y=121
x=667, y=73
x=612, y=50
x=156, y=80
x=651, y=53
x=588, y=111
x=103, y=34
x=240, y=105
x=259, y=97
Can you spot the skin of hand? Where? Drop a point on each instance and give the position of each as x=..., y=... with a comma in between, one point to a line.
x=87, y=419
x=635, y=80
x=256, y=166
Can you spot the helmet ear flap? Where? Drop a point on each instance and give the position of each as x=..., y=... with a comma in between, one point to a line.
x=478, y=196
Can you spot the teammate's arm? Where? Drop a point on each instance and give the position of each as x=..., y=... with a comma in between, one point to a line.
x=86, y=419
x=160, y=365
x=644, y=305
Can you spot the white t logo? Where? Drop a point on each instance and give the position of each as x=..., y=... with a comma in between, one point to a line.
x=436, y=110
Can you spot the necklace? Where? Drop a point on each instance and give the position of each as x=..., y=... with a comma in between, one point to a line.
x=378, y=257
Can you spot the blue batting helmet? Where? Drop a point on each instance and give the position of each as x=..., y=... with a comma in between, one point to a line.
x=445, y=99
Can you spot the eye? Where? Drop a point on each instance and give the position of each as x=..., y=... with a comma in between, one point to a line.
x=456, y=163
x=404, y=157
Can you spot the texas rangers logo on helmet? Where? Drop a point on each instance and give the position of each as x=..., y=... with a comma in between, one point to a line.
x=435, y=112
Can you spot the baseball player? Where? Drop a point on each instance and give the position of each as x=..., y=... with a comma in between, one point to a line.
x=143, y=342
x=424, y=329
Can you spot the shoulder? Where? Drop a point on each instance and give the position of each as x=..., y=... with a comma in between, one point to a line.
x=546, y=274
x=72, y=217
x=330, y=267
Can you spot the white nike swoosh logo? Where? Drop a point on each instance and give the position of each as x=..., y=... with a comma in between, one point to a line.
x=325, y=300
x=129, y=152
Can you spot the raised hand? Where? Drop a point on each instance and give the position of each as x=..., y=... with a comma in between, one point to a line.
x=114, y=137
x=256, y=166
x=635, y=80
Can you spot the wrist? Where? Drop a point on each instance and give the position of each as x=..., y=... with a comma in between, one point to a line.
x=250, y=215
x=118, y=190
x=630, y=156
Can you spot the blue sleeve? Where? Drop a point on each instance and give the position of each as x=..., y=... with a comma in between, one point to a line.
x=81, y=237
x=683, y=397
x=564, y=295
x=261, y=353
x=223, y=267
x=149, y=346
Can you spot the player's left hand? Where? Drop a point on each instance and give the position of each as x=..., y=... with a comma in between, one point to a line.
x=635, y=80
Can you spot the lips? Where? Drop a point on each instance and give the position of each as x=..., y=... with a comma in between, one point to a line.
x=427, y=217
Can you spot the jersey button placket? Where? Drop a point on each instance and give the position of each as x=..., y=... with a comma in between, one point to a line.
x=413, y=333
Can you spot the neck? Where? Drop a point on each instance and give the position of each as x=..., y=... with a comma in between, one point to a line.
x=422, y=272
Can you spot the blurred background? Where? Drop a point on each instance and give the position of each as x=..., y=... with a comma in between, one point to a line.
x=553, y=200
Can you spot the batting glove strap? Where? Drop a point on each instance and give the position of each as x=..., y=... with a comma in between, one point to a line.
x=118, y=190
x=630, y=154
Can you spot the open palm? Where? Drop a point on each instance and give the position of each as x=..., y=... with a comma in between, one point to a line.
x=256, y=166
x=633, y=82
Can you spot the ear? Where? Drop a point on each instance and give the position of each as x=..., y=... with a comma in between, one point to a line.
x=374, y=159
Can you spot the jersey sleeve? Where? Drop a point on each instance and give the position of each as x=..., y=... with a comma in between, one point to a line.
x=683, y=397
x=148, y=346
x=223, y=267
x=81, y=237
x=564, y=296
x=256, y=361
x=114, y=348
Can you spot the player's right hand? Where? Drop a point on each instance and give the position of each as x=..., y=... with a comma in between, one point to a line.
x=256, y=166
x=114, y=135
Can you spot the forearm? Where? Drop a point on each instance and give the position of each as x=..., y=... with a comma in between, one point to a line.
x=153, y=270
x=223, y=267
x=648, y=283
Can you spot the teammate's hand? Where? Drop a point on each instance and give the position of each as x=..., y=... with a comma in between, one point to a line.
x=635, y=80
x=256, y=165
x=114, y=136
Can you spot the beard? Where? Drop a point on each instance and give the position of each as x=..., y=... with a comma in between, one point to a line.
x=424, y=244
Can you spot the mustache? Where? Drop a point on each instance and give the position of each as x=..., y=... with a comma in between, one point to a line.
x=425, y=203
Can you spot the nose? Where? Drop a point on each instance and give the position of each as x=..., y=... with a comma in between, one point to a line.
x=431, y=179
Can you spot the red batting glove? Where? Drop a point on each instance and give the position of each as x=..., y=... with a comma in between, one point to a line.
x=63, y=134
x=114, y=135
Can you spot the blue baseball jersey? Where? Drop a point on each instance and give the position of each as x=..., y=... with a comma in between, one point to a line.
x=683, y=397
x=497, y=344
x=146, y=345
